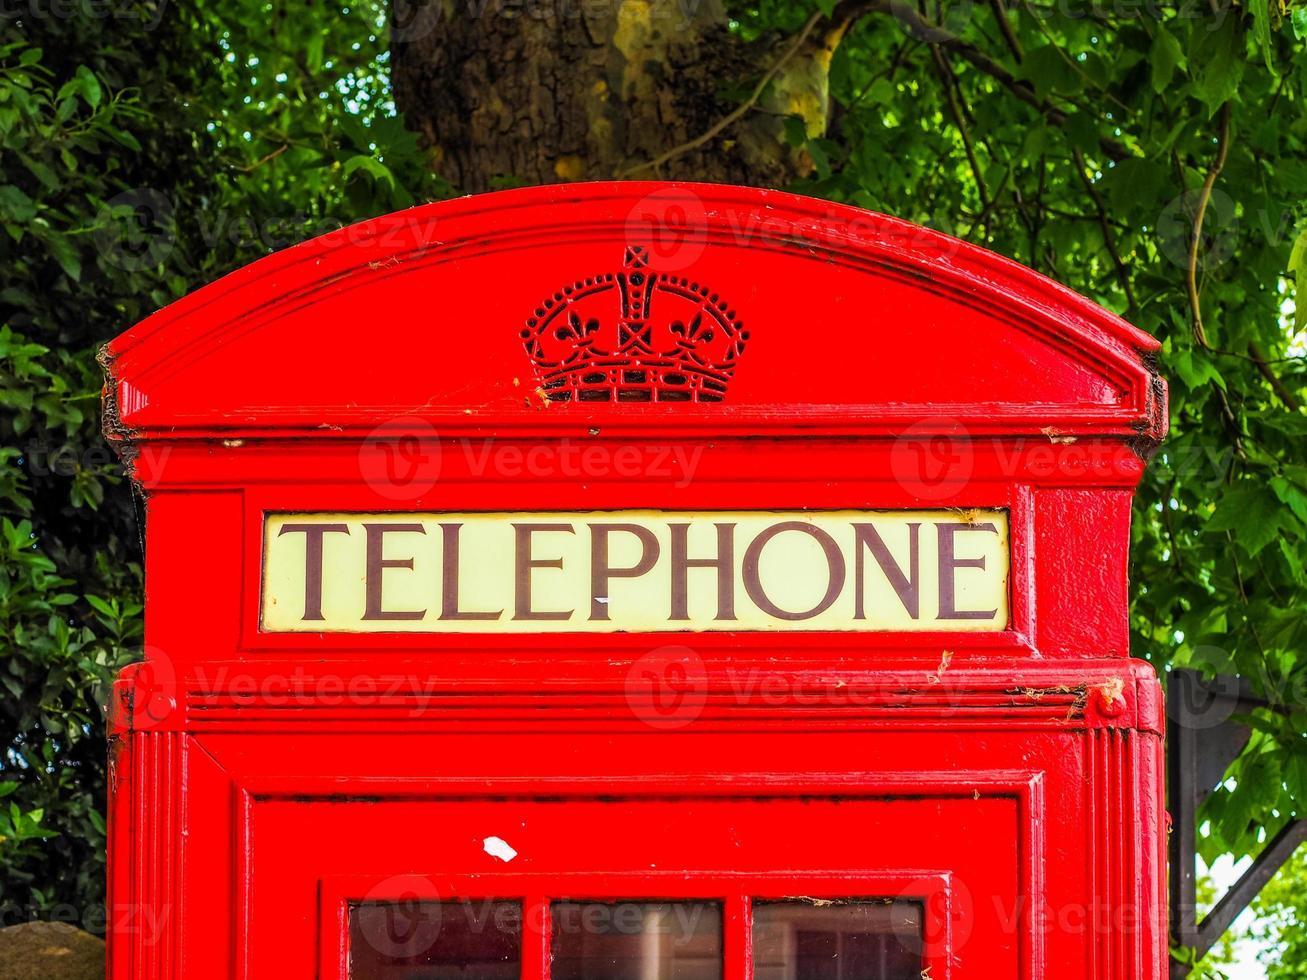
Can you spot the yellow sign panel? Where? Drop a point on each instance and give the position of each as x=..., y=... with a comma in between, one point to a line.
x=635, y=571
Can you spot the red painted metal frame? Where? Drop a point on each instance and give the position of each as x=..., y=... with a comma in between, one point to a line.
x=263, y=780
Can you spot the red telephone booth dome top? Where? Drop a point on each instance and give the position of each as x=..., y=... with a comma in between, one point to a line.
x=725, y=310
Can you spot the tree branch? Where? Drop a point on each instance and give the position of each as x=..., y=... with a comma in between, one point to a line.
x=918, y=26
x=1263, y=364
x=955, y=109
x=734, y=115
x=1009, y=36
x=1122, y=273
x=1200, y=213
x=267, y=158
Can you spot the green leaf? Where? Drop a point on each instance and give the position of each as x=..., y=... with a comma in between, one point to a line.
x=89, y=86
x=1164, y=56
x=796, y=131
x=15, y=205
x=1261, y=11
x=1217, y=60
x=1196, y=369
x=1288, y=493
x=1046, y=68
x=1298, y=18
x=1298, y=269
x=126, y=139
x=65, y=253
x=1254, y=515
x=371, y=166
x=819, y=150
x=101, y=606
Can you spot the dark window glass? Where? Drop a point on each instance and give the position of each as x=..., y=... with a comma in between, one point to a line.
x=416, y=940
x=637, y=941
x=864, y=939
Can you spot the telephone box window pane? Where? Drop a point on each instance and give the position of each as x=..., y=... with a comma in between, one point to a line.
x=435, y=940
x=845, y=940
x=637, y=941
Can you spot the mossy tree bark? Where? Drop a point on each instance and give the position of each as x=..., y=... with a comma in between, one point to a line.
x=540, y=91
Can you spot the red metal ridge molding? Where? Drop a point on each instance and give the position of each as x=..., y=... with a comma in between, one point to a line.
x=726, y=310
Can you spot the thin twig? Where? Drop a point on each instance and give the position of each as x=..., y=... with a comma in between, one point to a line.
x=1243, y=594
x=955, y=109
x=1260, y=359
x=731, y=117
x=1122, y=273
x=1000, y=14
x=982, y=218
x=1176, y=551
x=888, y=73
x=267, y=158
x=1205, y=196
x=919, y=26
x=1071, y=63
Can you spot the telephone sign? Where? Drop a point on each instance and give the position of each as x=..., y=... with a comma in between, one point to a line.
x=634, y=571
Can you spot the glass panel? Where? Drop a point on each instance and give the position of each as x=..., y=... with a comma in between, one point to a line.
x=435, y=940
x=637, y=941
x=846, y=940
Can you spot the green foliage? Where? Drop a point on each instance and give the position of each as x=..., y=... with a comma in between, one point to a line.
x=1212, y=966
x=135, y=167
x=1282, y=921
x=71, y=137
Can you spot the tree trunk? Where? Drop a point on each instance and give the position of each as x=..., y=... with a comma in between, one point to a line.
x=537, y=91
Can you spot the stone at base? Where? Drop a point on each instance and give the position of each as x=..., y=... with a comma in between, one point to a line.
x=50, y=951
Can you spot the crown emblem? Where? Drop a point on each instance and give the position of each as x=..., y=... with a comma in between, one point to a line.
x=634, y=336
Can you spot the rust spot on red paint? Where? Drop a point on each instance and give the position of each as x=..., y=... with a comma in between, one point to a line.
x=1081, y=693
x=944, y=659
x=110, y=418
x=1111, y=696
x=1039, y=693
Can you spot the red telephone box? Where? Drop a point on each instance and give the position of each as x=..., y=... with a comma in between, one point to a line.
x=636, y=582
